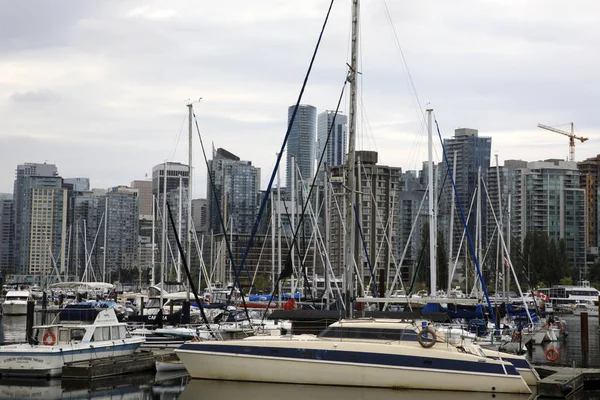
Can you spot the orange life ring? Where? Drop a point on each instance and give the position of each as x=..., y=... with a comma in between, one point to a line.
x=552, y=354
x=196, y=339
x=52, y=339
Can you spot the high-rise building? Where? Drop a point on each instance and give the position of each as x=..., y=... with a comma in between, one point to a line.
x=235, y=195
x=335, y=151
x=177, y=177
x=589, y=171
x=87, y=221
x=19, y=194
x=6, y=234
x=301, y=143
x=200, y=215
x=44, y=217
x=549, y=199
x=410, y=198
x=120, y=209
x=145, y=196
x=379, y=215
x=79, y=184
x=472, y=153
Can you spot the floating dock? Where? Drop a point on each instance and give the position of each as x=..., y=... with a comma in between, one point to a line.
x=101, y=368
x=563, y=382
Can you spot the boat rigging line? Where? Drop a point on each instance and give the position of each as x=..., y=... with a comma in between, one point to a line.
x=279, y=156
x=464, y=221
x=187, y=272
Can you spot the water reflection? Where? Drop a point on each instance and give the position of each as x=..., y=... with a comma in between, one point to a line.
x=210, y=389
x=136, y=386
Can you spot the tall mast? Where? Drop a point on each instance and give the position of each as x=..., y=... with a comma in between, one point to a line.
x=153, y=249
x=189, y=196
x=431, y=192
x=350, y=162
x=105, y=236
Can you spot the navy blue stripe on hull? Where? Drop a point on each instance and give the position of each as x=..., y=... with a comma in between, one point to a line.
x=355, y=357
x=103, y=350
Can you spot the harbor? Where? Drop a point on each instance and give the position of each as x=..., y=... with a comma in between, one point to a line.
x=136, y=375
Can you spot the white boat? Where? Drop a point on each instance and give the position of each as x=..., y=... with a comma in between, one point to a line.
x=52, y=346
x=362, y=353
x=15, y=302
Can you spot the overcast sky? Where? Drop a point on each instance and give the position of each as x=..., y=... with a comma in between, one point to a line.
x=100, y=87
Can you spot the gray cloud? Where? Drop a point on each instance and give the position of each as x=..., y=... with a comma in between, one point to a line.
x=100, y=88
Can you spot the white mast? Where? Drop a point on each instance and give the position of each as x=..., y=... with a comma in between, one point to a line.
x=293, y=221
x=188, y=254
x=451, y=234
x=432, y=230
x=179, y=226
x=351, y=160
x=153, y=249
x=105, y=235
x=164, y=235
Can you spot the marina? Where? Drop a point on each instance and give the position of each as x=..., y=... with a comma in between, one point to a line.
x=449, y=278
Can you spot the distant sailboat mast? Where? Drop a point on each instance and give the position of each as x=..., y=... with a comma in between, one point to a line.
x=351, y=162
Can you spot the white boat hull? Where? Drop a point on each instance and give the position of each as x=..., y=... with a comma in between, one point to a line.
x=48, y=361
x=207, y=361
x=14, y=308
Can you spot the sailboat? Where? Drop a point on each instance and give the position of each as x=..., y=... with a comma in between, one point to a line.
x=355, y=352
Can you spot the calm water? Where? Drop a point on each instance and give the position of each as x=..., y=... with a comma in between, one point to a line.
x=178, y=386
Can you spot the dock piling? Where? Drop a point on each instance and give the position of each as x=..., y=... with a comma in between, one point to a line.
x=29, y=321
x=584, y=339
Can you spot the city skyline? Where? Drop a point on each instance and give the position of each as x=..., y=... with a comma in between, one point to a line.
x=98, y=82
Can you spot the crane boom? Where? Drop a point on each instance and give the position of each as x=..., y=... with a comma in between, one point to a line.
x=570, y=135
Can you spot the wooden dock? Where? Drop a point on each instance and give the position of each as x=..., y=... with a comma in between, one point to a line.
x=562, y=382
x=139, y=361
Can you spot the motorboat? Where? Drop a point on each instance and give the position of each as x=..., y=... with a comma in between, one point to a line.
x=15, y=302
x=52, y=346
x=382, y=353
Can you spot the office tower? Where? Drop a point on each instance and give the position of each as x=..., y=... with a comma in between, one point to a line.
x=176, y=175
x=200, y=215
x=120, y=209
x=175, y=171
x=589, y=171
x=145, y=196
x=23, y=171
x=79, y=184
x=6, y=234
x=379, y=216
x=472, y=153
x=335, y=152
x=235, y=196
x=301, y=143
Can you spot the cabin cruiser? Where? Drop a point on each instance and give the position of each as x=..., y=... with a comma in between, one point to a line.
x=367, y=352
x=15, y=302
x=52, y=346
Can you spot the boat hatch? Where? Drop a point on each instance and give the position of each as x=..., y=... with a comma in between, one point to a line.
x=337, y=332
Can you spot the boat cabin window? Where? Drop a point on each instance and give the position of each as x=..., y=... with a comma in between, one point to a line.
x=342, y=332
x=101, y=334
x=63, y=335
x=124, y=332
x=115, y=333
x=77, y=334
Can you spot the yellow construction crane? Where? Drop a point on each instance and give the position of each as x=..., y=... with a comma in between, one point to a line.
x=571, y=136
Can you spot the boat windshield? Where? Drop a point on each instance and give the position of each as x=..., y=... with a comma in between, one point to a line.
x=346, y=332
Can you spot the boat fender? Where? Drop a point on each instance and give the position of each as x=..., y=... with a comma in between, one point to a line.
x=422, y=336
x=552, y=354
x=49, y=339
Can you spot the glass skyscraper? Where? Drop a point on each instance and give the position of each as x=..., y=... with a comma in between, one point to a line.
x=335, y=153
x=301, y=142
